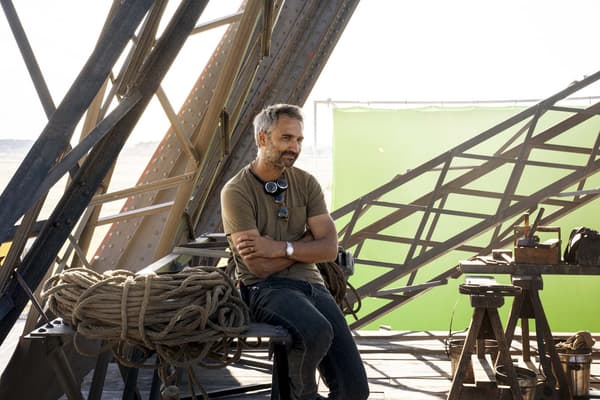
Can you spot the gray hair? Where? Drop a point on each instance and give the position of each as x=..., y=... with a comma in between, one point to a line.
x=264, y=120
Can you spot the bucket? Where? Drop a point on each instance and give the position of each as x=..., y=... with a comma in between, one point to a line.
x=577, y=368
x=526, y=378
x=454, y=349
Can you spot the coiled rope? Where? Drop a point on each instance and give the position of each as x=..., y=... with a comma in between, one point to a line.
x=338, y=286
x=188, y=318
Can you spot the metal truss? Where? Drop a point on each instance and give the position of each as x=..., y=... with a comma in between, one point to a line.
x=193, y=205
x=504, y=157
x=272, y=51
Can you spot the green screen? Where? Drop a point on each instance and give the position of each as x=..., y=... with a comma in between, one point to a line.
x=372, y=146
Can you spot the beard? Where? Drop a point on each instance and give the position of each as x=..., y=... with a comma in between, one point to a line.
x=280, y=159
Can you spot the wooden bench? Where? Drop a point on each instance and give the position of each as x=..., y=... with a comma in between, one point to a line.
x=214, y=246
x=58, y=333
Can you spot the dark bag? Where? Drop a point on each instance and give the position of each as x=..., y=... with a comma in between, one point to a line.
x=583, y=247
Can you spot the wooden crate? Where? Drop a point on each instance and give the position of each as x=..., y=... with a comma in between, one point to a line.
x=537, y=255
x=546, y=252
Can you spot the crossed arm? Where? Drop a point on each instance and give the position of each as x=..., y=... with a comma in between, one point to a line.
x=264, y=256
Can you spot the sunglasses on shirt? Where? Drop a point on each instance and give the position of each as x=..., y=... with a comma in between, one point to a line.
x=283, y=211
x=275, y=188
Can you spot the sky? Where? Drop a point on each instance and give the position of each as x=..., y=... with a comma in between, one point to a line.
x=463, y=49
x=391, y=51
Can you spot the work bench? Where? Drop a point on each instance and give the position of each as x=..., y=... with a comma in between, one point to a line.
x=520, y=269
x=527, y=305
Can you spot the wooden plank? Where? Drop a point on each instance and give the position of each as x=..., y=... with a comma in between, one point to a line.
x=480, y=267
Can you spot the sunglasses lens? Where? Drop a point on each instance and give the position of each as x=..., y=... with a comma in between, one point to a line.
x=270, y=187
x=280, y=198
x=283, y=213
x=282, y=183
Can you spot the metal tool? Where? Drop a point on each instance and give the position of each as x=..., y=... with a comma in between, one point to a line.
x=530, y=240
x=503, y=255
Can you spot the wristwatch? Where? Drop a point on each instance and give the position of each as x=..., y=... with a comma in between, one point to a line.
x=289, y=249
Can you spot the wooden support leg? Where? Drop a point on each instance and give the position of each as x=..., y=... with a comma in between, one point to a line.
x=131, y=392
x=465, y=355
x=64, y=372
x=99, y=376
x=130, y=376
x=281, y=382
x=504, y=353
x=543, y=332
x=525, y=339
x=515, y=314
x=527, y=305
x=155, y=388
x=480, y=316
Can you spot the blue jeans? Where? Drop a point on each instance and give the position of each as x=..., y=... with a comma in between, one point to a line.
x=321, y=338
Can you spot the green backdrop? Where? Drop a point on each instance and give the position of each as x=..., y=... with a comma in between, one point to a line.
x=371, y=146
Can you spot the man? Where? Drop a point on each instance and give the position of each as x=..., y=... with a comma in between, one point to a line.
x=278, y=227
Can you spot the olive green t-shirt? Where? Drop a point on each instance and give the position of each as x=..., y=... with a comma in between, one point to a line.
x=245, y=205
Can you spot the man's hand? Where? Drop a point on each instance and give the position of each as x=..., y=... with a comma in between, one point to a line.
x=250, y=245
x=264, y=256
x=261, y=254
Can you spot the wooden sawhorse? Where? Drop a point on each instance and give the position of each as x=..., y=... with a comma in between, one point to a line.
x=485, y=324
x=527, y=305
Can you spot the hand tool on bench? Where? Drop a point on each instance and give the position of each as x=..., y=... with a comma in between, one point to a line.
x=530, y=240
x=502, y=255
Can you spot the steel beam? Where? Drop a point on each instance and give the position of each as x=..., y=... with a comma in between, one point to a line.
x=99, y=161
x=18, y=196
x=302, y=40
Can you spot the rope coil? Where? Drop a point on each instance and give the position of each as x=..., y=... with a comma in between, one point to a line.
x=185, y=317
x=338, y=286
